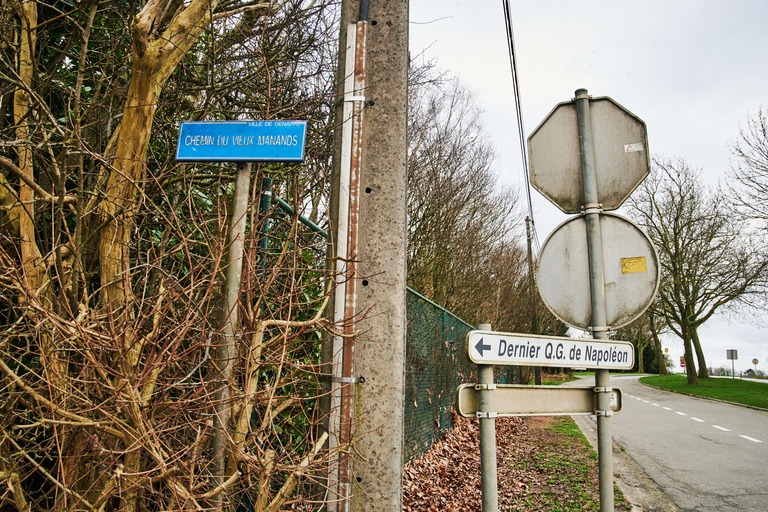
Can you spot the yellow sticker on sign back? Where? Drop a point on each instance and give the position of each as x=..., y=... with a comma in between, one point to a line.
x=633, y=265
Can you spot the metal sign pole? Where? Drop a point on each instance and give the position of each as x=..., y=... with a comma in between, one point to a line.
x=597, y=292
x=487, y=418
x=486, y=414
x=563, y=162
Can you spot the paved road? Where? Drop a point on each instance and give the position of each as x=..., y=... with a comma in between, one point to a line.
x=705, y=455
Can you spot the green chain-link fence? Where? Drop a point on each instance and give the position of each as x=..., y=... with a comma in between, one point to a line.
x=436, y=363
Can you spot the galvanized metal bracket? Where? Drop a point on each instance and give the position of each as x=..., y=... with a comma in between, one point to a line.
x=603, y=389
x=354, y=98
x=342, y=380
x=486, y=415
x=485, y=387
x=599, y=328
x=591, y=208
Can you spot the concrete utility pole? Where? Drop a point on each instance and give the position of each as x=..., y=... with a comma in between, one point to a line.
x=531, y=298
x=367, y=365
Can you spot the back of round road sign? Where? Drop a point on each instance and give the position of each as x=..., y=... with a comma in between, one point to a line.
x=631, y=271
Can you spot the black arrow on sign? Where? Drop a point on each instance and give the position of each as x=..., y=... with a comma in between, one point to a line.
x=480, y=347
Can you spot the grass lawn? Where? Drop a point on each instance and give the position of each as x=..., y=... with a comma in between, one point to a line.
x=732, y=390
x=591, y=372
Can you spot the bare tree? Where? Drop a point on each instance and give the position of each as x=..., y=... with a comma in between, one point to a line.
x=643, y=334
x=458, y=217
x=464, y=248
x=707, y=261
x=749, y=189
x=112, y=256
x=656, y=329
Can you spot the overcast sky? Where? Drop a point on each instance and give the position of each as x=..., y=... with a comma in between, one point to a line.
x=693, y=70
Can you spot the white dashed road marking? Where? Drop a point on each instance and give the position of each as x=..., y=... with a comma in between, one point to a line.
x=748, y=438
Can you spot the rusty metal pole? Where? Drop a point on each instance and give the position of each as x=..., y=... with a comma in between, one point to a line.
x=346, y=203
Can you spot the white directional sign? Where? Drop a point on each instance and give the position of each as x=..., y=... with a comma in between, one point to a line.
x=523, y=400
x=500, y=348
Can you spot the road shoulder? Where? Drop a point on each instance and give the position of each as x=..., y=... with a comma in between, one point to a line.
x=641, y=491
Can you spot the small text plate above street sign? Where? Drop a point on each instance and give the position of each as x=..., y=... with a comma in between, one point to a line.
x=517, y=400
x=241, y=141
x=486, y=347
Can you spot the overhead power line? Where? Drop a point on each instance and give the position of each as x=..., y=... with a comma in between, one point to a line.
x=519, y=112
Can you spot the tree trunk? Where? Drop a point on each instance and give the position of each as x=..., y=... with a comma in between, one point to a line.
x=31, y=261
x=154, y=57
x=690, y=366
x=114, y=243
x=35, y=272
x=703, y=372
x=641, y=344
x=659, y=354
x=657, y=344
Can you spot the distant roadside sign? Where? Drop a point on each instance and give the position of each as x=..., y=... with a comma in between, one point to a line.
x=241, y=141
x=517, y=400
x=486, y=347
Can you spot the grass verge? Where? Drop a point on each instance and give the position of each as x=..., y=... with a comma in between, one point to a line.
x=567, y=466
x=744, y=392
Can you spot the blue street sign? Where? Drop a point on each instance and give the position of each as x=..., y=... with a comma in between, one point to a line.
x=234, y=141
